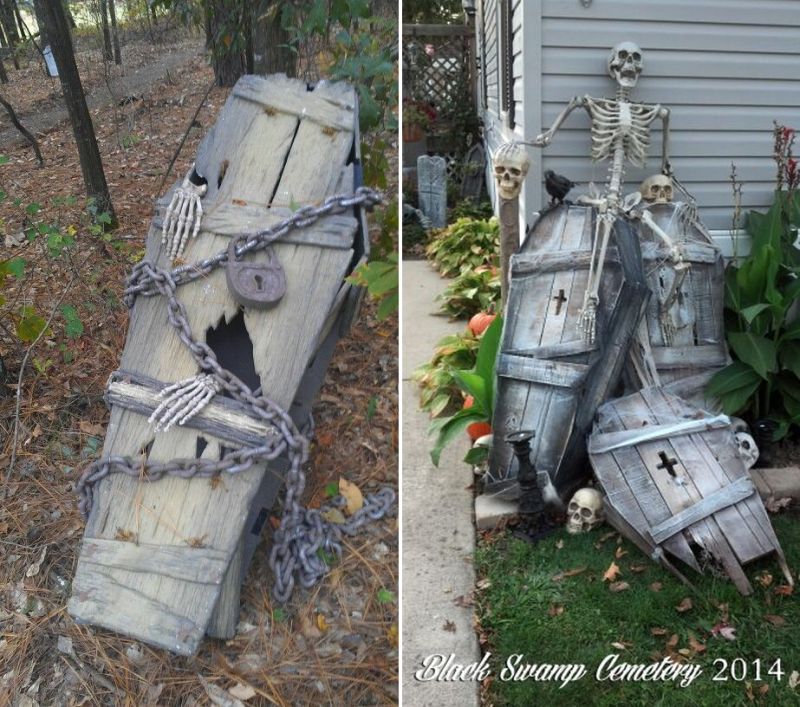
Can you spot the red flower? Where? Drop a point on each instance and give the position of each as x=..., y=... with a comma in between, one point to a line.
x=788, y=134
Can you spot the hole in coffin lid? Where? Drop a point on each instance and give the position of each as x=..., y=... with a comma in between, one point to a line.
x=233, y=347
x=200, y=446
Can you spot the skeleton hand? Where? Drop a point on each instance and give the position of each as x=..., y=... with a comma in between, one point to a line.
x=183, y=400
x=183, y=215
x=588, y=318
x=666, y=168
x=544, y=139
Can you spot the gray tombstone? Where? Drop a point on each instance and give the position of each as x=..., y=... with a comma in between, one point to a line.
x=474, y=172
x=432, y=189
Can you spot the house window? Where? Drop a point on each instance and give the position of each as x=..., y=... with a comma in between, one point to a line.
x=506, y=61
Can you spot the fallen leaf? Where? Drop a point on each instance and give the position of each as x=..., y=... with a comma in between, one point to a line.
x=794, y=679
x=656, y=587
x=352, y=494
x=684, y=606
x=91, y=428
x=695, y=645
x=559, y=544
x=218, y=696
x=484, y=583
x=775, y=620
x=607, y=536
x=322, y=623
x=464, y=601
x=622, y=645
x=638, y=569
x=619, y=586
x=33, y=570
x=764, y=579
x=673, y=641
x=309, y=628
x=724, y=631
x=620, y=553
x=555, y=610
x=657, y=631
x=764, y=689
x=611, y=573
x=392, y=635
x=335, y=516
x=784, y=590
x=568, y=573
x=242, y=692
x=449, y=626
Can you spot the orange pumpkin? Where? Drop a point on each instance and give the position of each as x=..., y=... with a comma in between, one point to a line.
x=476, y=429
x=480, y=322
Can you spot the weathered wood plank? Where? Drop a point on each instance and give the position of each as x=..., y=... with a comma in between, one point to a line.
x=565, y=375
x=710, y=355
x=526, y=263
x=724, y=497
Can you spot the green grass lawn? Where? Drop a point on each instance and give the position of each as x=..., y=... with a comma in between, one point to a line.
x=529, y=603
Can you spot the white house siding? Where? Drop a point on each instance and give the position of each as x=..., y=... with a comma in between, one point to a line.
x=725, y=68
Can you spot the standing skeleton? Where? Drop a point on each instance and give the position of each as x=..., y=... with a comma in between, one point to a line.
x=620, y=132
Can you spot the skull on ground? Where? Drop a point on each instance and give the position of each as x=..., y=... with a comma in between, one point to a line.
x=585, y=511
x=511, y=164
x=748, y=451
x=625, y=64
x=657, y=189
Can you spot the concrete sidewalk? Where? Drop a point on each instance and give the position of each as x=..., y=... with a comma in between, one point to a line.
x=438, y=531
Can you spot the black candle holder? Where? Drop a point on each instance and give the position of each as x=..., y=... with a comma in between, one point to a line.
x=531, y=502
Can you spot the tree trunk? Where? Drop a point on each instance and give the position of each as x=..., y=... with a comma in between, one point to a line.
x=114, y=33
x=227, y=55
x=107, y=54
x=56, y=29
x=23, y=30
x=9, y=23
x=3, y=74
x=271, y=41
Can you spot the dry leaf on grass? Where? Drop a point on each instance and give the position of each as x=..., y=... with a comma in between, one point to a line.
x=775, y=620
x=611, y=573
x=673, y=641
x=684, y=606
x=352, y=494
x=559, y=544
x=555, y=610
x=335, y=516
x=638, y=569
x=33, y=570
x=794, y=679
x=724, y=631
x=695, y=645
x=242, y=692
x=784, y=590
x=91, y=428
x=620, y=553
x=568, y=573
x=657, y=631
x=619, y=586
x=656, y=587
x=622, y=645
x=764, y=579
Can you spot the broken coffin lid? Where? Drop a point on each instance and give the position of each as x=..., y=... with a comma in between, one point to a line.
x=684, y=318
x=674, y=484
x=164, y=561
x=548, y=379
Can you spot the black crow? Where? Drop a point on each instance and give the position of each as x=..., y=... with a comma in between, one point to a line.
x=557, y=186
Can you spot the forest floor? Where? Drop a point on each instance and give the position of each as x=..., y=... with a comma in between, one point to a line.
x=336, y=644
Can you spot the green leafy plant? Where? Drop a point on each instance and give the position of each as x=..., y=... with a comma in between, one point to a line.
x=439, y=392
x=471, y=292
x=761, y=296
x=478, y=383
x=380, y=277
x=465, y=244
x=471, y=208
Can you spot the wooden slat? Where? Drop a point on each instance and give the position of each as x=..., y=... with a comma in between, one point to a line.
x=710, y=356
x=727, y=496
x=564, y=375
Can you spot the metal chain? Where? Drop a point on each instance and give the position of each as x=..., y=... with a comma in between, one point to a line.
x=304, y=536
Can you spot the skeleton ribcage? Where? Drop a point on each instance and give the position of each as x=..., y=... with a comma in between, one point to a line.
x=615, y=123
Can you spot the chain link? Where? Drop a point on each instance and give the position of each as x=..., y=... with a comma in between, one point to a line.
x=304, y=538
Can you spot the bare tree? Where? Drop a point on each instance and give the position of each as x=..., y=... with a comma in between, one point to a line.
x=56, y=29
x=272, y=41
x=103, y=7
x=9, y=23
x=114, y=33
x=225, y=26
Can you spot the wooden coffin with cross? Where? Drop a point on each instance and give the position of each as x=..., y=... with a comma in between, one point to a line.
x=548, y=379
x=684, y=319
x=163, y=561
x=674, y=484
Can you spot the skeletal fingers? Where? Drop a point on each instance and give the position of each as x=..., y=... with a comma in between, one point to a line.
x=183, y=216
x=183, y=400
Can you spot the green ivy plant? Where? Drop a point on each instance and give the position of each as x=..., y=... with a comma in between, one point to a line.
x=761, y=308
x=477, y=382
x=466, y=244
x=471, y=292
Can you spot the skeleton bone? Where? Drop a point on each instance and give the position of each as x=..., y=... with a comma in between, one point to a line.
x=585, y=511
x=183, y=400
x=620, y=131
x=183, y=216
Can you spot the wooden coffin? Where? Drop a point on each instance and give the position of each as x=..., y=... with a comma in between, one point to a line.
x=548, y=379
x=164, y=561
x=684, y=318
x=674, y=484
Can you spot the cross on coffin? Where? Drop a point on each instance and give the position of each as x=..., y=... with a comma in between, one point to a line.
x=667, y=463
x=560, y=299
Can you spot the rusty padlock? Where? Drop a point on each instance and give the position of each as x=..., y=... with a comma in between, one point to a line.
x=259, y=285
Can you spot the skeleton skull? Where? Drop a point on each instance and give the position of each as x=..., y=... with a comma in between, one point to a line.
x=511, y=164
x=657, y=189
x=585, y=511
x=748, y=451
x=625, y=64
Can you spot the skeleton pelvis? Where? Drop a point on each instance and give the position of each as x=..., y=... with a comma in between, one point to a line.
x=259, y=285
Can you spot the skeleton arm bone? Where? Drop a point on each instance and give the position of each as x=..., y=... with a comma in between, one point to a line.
x=666, y=166
x=675, y=250
x=546, y=137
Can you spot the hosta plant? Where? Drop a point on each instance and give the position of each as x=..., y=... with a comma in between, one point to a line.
x=471, y=292
x=761, y=302
x=466, y=244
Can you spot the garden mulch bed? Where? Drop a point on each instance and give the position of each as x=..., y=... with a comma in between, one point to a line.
x=335, y=644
